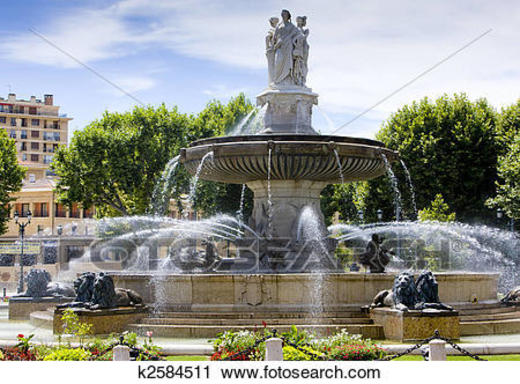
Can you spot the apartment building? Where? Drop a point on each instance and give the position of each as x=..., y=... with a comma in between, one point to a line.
x=38, y=129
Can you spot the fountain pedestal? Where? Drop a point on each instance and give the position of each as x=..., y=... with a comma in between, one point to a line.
x=288, y=110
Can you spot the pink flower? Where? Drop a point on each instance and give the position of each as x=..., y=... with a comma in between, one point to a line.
x=149, y=334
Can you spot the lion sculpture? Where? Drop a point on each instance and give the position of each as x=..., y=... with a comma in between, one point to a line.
x=512, y=297
x=98, y=292
x=39, y=284
x=407, y=294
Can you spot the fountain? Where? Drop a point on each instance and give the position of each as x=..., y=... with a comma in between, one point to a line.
x=287, y=164
x=284, y=270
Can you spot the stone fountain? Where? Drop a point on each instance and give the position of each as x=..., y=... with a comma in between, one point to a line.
x=287, y=164
x=285, y=271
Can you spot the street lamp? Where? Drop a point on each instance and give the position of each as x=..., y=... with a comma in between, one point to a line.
x=500, y=215
x=379, y=214
x=21, y=227
x=59, y=229
x=361, y=215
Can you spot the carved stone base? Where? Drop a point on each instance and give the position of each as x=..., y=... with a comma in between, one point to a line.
x=288, y=110
x=416, y=325
x=292, y=228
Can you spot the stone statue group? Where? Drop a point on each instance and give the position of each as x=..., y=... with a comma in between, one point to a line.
x=287, y=51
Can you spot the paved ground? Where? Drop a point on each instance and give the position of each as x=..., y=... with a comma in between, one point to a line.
x=10, y=329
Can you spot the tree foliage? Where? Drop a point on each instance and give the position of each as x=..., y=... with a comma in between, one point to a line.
x=115, y=162
x=449, y=147
x=437, y=211
x=508, y=188
x=11, y=176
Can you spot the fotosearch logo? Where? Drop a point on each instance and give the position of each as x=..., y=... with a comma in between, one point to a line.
x=253, y=254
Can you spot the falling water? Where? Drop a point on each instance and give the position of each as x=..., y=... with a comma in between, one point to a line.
x=340, y=169
x=251, y=123
x=395, y=187
x=450, y=246
x=163, y=189
x=240, y=212
x=310, y=232
x=269, y=196
x=410, y=185
x=195, y=179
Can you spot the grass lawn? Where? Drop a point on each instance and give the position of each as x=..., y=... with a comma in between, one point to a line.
x=464, y=358
x=187, y=358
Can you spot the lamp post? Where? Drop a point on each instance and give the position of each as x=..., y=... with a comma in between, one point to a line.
x=361, y=216
x=379, y=214
x=500, y=215
x=21, y=227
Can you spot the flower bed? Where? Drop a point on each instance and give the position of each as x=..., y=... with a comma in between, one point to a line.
x=297, y=346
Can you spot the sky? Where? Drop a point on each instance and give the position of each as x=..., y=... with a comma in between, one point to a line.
x=187, y=52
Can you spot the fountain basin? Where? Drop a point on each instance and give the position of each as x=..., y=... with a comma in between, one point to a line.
x=297, y=292
x=241, y=159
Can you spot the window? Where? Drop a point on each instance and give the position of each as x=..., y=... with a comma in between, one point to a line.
x=23, y=134
x=35, y=158
x=13, y=121
x=74, y=211
x=60, y=210
x=35, y=146
x=35, y=134
x=35, y=122
x=32, y=111
x=88, y=213
x=25, y=210
x=23, y=146
x=41, y=210
x=47, y=159
x=24, y=156
x=12, y=134
x=24, y=122
x=3, y=119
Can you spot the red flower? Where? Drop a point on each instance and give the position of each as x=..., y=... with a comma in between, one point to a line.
x=20, y=336
x=264, y=324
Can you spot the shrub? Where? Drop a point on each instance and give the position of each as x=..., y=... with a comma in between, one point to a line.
x=68, y=354
x=292, y=354
x=355, y=352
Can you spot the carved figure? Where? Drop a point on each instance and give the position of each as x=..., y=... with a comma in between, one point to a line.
x=269, y=48
x=512, y=297
x=407, y=293
x=376, y=258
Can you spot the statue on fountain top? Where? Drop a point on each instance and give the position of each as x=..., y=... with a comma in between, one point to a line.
x=287, y=51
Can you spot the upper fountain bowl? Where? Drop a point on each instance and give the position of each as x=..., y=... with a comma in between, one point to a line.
x=241, y=159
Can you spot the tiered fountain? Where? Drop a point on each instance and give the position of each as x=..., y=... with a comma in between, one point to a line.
x=285, y=270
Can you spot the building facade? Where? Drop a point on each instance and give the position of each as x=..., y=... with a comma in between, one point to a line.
x=38, y=129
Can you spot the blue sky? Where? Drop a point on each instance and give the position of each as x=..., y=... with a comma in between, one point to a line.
x=185, y=53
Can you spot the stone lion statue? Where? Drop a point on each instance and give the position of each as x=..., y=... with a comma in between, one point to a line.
x=409, y=294
x=39, y=284
x=428, y=290
x=403, y=295
x=37, y=281
x=98, y=292
x=105, y=295
x=83, y=287
x=512, y=297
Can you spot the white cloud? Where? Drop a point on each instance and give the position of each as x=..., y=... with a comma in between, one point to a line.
x=360, y=51
x=132, y=84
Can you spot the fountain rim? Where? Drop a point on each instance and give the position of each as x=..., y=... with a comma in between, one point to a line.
x=289, y=137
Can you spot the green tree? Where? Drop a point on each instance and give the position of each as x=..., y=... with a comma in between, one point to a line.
x=508, y=188
x=449, y=147
x=437, y=211
x=508, y=126
x=115, y=162
x=11, y=176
